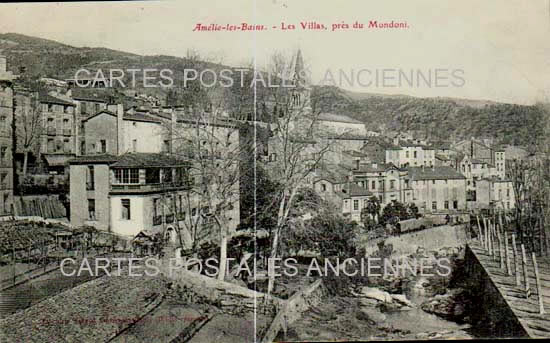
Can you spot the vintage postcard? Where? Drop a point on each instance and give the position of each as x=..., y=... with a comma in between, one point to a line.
x=274, y=170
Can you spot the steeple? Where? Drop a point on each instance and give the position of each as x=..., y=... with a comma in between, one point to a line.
x=299, y=72
x=301, y=92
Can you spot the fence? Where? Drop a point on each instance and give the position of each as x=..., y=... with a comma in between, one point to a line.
x=503, y=248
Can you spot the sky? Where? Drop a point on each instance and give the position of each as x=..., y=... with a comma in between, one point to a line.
x=500, y=49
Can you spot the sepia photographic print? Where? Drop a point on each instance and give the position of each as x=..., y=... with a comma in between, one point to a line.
x=274, y=171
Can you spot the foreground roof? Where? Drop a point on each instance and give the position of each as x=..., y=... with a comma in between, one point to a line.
x=131, y=160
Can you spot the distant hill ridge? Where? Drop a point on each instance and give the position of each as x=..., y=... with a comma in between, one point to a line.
x=438, y=118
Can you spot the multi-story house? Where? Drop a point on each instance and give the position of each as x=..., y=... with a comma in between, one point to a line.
x=385, y=181
x=336, y=187
x=115, y=131
x=479, y=151
x=494, y=192
x=375, y=148
x=58, y=142
x=411, y=153
x=437, y=189
x=88, y=102
x=6, y=145
x=119, y=193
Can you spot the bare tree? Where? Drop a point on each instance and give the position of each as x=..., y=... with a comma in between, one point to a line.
x=298, y=143
x=29, y=125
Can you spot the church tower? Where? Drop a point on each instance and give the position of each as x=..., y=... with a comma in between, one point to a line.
x=300, y=94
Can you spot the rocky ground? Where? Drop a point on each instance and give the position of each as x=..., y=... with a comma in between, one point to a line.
x=389, y=308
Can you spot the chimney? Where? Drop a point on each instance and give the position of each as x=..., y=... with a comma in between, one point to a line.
x=120, y=129
x=3, y=64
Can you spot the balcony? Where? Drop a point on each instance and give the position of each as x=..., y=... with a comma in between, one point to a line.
x=169, y=218
x=67, y=132
x=51, y=131
x=157, y=220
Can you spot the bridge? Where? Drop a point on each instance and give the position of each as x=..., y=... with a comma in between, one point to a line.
x=515, y=282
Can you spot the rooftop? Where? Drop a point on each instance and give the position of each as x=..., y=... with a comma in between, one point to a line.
x=325, y=116
x=49, y=99
x=434, y=173
x=131, y=160
x=352, y=190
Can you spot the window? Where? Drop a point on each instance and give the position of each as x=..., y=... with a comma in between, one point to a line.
x=130, y=175
x=83, y=108
x=455, y=204
x=355, y=205
x=167, y=175
x=134, y=145
x=392, y=184
x=446, y=205
x=166, y=146
x=90, y=182
x=433, y=182
x=194, y=211
x=406, y=183
x=152, y=175
x=3, y=123
x=156, y=209
x=67, y=145
x=51, y=145
x=414, y=154
x=103, y=146
x=434, y=205
x=4, y=179
x=323, y=187
x=3, y=155
x=125, y=207
x=91, y=209
x=407, y=154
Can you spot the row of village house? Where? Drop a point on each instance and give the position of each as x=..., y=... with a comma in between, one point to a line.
x=117, y=180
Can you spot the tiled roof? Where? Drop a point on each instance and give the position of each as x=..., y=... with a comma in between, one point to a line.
x=79, y=93
x=100, y=158
x=352, y=190
x=370, y=168
x=127, y=116
x=131, y=160
x=140, y=117
x=434, y=173
x=355, y=153
x=136, y=160
x=381, y=142
x=337, y=118
x=48, y=99
x=347, y=136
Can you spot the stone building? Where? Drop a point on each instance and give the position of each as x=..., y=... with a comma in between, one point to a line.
x=437, y=189
x=6, y=144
